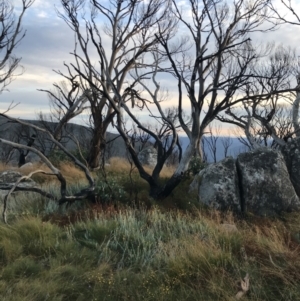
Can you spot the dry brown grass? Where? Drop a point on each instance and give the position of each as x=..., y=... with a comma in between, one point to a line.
x=25, y=170
x=121, y=165
x=116, y=165
x=159, y=255
x=3, y=167
x=69, y=171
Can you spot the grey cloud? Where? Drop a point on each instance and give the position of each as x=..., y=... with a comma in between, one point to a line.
x=30, y=103
x=48, y=43
x=46, y=46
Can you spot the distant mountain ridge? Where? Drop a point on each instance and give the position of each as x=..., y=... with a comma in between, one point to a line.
x=9, y=130
x=233, y=150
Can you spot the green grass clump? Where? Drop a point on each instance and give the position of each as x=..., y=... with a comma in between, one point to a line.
x=131, y=247
x=153, y=254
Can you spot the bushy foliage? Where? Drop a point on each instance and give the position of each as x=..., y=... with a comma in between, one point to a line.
x=196, y=164
x=58, y=157
x=109, y=190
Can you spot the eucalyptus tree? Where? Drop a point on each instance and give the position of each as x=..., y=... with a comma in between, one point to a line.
x=11, y=34
x=112, y=38
x=287, y=14
x=213, y=65
x=272, y=119
x=66, y=100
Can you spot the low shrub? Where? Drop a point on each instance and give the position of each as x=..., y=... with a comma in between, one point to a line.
x=196, y=164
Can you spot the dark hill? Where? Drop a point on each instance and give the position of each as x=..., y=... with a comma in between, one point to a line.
x=75, y=133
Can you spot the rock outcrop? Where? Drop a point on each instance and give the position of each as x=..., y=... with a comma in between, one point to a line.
x=291, y=153
x=263, y=182
x=219, y=186
x=148, y=156
x=9, y=178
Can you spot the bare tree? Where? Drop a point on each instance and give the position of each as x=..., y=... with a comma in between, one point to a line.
x=66, y=102
x=204, y=157
x=11, y=35
x=280, y=126
x=217, y=70
x=264, y=120
x=85, y=193
x=16, y=133
x=165, y=135
x=7, y=151
x=288, y=15
x=211, y=140
x=130, y=29
x=226, y=143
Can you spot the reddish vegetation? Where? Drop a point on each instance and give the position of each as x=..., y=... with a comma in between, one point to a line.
x=93, y=212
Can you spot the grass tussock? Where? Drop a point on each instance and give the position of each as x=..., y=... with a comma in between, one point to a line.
x=131, y=254
x=130, y=247
x=72, y=173
x=122, y=165
x=69, y=171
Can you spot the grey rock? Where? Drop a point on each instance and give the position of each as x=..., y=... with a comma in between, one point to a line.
x=194, y=186
x=26, y=165
x=257, y=182
x=218, y=185
x=265, y=183
x=291, y=153
x=148, y=156
x=9, y=178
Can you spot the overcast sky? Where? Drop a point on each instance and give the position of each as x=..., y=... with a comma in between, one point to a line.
x=48, y=43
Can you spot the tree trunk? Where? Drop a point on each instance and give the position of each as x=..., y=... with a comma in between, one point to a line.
x=158, y=192
x=296, y=114
x=97, y=147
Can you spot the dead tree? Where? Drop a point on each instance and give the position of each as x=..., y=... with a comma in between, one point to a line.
x=212, y=64
x=226, y=143
x=264, y=132
x=130, y=27
x=211, y=140
x=289, y=16
x=11, y=34
x=248, y=125
x=67, y=100
x=286, y=14
x=164, y=133
x=85, y=193
x=266, y=122
x=24, y=154
x=215, y=78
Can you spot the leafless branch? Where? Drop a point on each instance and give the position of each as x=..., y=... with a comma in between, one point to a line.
x=15, y=187
x=11, y=35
